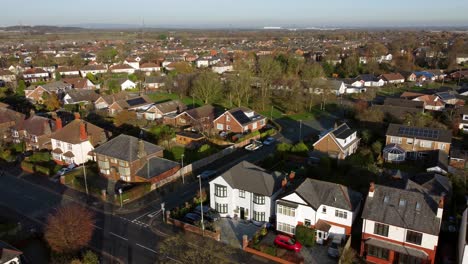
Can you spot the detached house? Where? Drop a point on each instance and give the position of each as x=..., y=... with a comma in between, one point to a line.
x=464, y=120
x=339, y=142
x=122, y=68
x=246, y=191
x=139, y=103
x=7, y=76
x=200, y=118
x=157, y=111
x=35, y=75
x=150, y=67
x=130, y=159
x=8, y=120
x=104, y=101
x=393, y=78
x=328, y=207
x=408, y=142
x=34, y=132
x=431, y=102
x=35, y=93
x=93, y=69
x=239, y=120
x=68, y=71
x=400, y=225
x=74, y=143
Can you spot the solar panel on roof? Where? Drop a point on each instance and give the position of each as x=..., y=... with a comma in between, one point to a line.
x=240, y=116
x=418, y=132
x=136, y=101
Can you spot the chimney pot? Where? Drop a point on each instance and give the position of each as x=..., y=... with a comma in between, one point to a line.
x=83, y=133
x=77, y=115
x=58, y=123
x=371, y=189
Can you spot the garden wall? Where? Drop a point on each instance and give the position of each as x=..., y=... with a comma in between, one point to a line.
x=191, y=228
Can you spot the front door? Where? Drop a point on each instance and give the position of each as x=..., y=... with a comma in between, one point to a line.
x=242, y=213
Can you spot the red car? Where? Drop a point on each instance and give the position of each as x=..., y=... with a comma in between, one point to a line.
x=288, y=243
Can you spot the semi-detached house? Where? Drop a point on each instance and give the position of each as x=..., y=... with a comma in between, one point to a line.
x=327, y=207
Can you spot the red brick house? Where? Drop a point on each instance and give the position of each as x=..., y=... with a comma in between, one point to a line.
x=239, y=120
x=200, y=118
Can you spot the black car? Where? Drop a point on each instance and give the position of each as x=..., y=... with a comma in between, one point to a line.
x=209, y=214
x=191, y=218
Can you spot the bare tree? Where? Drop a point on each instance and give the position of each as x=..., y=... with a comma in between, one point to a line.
x=240, y=87
x=207, y=86
x=268, y=70
x=69, y=229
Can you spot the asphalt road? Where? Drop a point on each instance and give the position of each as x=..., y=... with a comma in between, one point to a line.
x=127, y=237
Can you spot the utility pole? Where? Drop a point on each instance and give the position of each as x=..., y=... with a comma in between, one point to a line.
x=84, y=169
x=201, y=204
x=300, y=130
x=182, y=168
x=121, y=201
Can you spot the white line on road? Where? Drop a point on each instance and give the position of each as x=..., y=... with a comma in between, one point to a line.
x=147, y=248
x=114, y=234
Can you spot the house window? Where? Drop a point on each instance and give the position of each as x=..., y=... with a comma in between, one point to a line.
x=395, y=140
x=258, y=199
x=425, y=144
x=262, y=122
x=228, y=118
x=324, y=210
x=386, y=199
x=409, y=141
x=241, y=193
x=219, y=126
x=69, y=146
x=381, y=229
x=410, y=259
x=402, y=202
x=307, y=222
x=259, y=216
x=220, y=191
x=124, y=171
x=283, y=227
x=228, y=127
x=441, y=146
x=221, y=208
x=414, y=237
x=104, y=165
x=286, y=210
x=59, y=144
x=418, y=206
x=341, y=214
x=123, y=163
x=377, y=252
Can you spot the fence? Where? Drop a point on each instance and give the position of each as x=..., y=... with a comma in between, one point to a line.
x=191, y=228
x=345, y=248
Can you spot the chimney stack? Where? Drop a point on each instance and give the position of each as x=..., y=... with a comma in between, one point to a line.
x=292, y=174
x=83, y=133
x=371, y=189
x=77, y=116
x=58, y=123
x=141, y=149
x=440, y=209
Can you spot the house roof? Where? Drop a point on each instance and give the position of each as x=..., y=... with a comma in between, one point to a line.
x=149, y=65
x=5, y=72
x=116, y=97
x=83, y=95
x=433, y=134
x=93, y=67
x=446, y=95
x=155, y=167
x=249, y=177
x=397, y=248
x=409, y=209
x=77, y=83
x=125, y=147
x=7, y=115
x=367, y=78
x=66, y=69
x=410, y=95
x=7, y=255
x=52, y=86
x=433, y=183
x=34, y=71
x=202, y=112
x=430, y=100
x=191, y=135
x=392, y=76
x=37, y=125
x=71, y=133
x=317, y=193
x=134, y=102
x=343, y=131
x=155, y=79
x=120, y=67
x=171, y=106
x=403, y=103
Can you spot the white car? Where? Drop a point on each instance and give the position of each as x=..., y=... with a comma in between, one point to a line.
x=254, y=145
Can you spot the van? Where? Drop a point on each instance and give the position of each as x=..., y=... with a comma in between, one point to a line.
x=334, y=247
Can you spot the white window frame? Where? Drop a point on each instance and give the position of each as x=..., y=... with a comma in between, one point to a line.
x=219, y=126
x=395, y=140
x=286, y=210
x=286, y=228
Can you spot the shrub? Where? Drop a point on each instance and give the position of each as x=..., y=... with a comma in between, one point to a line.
x=17, y=147
x=42, y=170
x=300, y=148
x=269, y=132
x=90, y=258
x=6, y=155
x=40, y=157
x=305, y=235
x=27, y=166
x=283, y=147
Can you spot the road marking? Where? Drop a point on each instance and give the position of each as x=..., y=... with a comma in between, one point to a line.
x=154, y=213
x=149, y=249
x=114, y=234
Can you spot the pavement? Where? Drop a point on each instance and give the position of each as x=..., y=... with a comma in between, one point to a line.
x=233, y=230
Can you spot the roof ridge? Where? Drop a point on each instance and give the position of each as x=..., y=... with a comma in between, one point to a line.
x=346, y=197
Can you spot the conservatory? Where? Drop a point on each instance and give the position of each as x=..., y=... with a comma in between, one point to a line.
x=394, y=153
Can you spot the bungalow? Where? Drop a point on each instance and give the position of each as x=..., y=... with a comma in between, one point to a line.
x=431, y=102
x=126, y=84
x=80, y=97
x=369, y=80
x=93, y=69
x=74, y=143
x=392, y=78
x=447, y=97
x=155, y=82
x=423, y=76
x=130, y=159
x=139, y=103
x=68, y=71
x=157, y=111
x=149, y=67
x=246, y=191
x=104, y=101
x=222, y=67
x=199, y=119
x=122, y=68
x=35, y=75
x=133, y=62
x=7, y=76
x=327, y=207
x=80, y=83
x=239, y=120
x=339, y=142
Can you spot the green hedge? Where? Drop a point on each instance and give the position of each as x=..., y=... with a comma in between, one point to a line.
x=305, y=235
x=248, y=136
x=39, y=157
x=27, y=165
x=42, y=170
x=134, y=193
x=269, y=132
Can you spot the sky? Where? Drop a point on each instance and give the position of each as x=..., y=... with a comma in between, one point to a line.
x=237, y=13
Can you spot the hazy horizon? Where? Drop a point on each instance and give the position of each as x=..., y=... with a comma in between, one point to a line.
x=238, y=14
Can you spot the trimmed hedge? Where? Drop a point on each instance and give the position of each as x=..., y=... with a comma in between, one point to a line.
x=269, y=132
x=42, y=170
x=28, y=166
x=305, y=235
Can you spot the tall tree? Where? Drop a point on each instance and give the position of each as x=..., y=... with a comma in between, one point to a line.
x=268, y=70
x=50, y=101
x=207, y=87
x=69, y=229
x=311, y=71
x=241, y=88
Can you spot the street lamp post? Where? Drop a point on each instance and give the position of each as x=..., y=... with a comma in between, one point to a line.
x=121, y=202
x=201, y=205
x=84, y=168
x=300, y=130
x=181, y=169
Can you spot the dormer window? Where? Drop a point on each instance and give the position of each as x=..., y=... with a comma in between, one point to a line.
x=228, y=118
x=324, y=210
x=386, y=199
x=402, y=203
x=418, y=206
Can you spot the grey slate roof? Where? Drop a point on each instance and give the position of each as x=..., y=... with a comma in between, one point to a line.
x=406, y=216
x=403, y=103
x=249, y=177
x=433, y=134
x=157, y=166
x=317, y=193
x=125, y=147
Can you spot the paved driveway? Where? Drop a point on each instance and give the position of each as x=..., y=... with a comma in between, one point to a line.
x=317, y=255
x=233, y=230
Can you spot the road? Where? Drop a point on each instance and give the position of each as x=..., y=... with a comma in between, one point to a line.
x=128, y=237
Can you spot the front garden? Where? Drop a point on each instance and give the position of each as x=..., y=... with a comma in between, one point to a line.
x=41, y=163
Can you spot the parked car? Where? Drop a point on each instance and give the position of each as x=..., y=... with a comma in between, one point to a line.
x=333, y=248
x=63, y=171
x=208, y=174
x=287, y=243
x=269, y=141
x=209, y=214
x=191, y=218
x=254, y=145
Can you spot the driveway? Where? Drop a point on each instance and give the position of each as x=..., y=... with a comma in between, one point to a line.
x=317, y=255
x=233, y=230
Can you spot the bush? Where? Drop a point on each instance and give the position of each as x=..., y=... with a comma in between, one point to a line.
x=42, y=170
x=90, y=258
x=27, y=166
x=305, y=235
x=283, y=147
x=17, y=147
x=300, y=148
x=40, y=157
x=269, y=132
x=6, y=155
x=248, y=136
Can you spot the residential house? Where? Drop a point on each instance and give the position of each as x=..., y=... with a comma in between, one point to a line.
x=68, y=71
x=463, y=239
x=400, y=225
x=149, y=67
x=222, y=67
x=246, y=191
x=199, y=119
x=9, y=119
x=133, y=62
x=35, y=75
x=431, y=102
x=339, y=142
x=7, y=76
x=327, y=207
x=74, y=143
x=139, y=103
x=392, y=78
x=190, y=139
x=370, y=80
x=461, y=58
x=80, y=83
x=9, y=254
x=130, y=159
x=35, y=93
x=458, y=158
x=409, y=76
x=447, y=97
x=126, y=84
x=122, y=68
x=423, y=76
x=154, y=82
x=409, y=142
x=157, y=111
x=239, y=120
x=34, y=132
x=463, y=126
x=460, y=74
x=104, y=101
x=80, y=97
x=93, y=69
